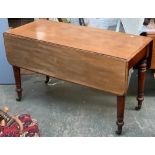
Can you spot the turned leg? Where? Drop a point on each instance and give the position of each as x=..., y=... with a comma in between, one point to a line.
x=47, y=79
x=120, y=113
x=17, y=76
x=141, y=83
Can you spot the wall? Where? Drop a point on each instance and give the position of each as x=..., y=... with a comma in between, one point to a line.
x=6, y=72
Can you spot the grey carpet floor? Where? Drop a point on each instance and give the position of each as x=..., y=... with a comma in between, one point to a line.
x=67, y=109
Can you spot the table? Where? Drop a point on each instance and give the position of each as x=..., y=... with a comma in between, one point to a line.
x=150, y=33
x=96, y=58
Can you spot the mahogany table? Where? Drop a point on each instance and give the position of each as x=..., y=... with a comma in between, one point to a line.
x=151, y=33
x=91, y=57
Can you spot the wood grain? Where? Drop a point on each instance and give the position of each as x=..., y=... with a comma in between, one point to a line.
x=141, y=83
x=83, y=67
x=88, y=56
x=85, y=38
x=120, y=113
x=153, y=50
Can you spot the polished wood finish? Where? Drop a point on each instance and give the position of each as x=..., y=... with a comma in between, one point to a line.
x=141, y=83
x=60, y=20
x=16, y=22
x=90, y=53
x=150, y=32
x=78, y=66
x=152, y=35
x=17, y=76
x=91, y=57
x=94, y=40
x=120, y=113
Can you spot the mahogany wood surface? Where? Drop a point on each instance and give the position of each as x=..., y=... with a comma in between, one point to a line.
x=141, y=83
x=17, y=76
x=105, y=42
x=78, y=66
x=120, y=113
x=152, y=35
x=88, y=56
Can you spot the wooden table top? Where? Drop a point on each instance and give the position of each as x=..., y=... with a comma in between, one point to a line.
x=116, y=44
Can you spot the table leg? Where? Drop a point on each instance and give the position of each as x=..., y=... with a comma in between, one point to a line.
x=17, y=76
x=141, y=83
x=47, y=79
x=120, y=113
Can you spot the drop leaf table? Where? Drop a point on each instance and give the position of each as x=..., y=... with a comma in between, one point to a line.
x=96, y=58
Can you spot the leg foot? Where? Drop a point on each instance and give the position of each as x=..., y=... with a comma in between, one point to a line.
x=120, y=113
x=119, y=129
x=19, y=94
x=138, y=107
x=47, y=79
x=17, y=76
x=18, y=99
x=141, y=83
